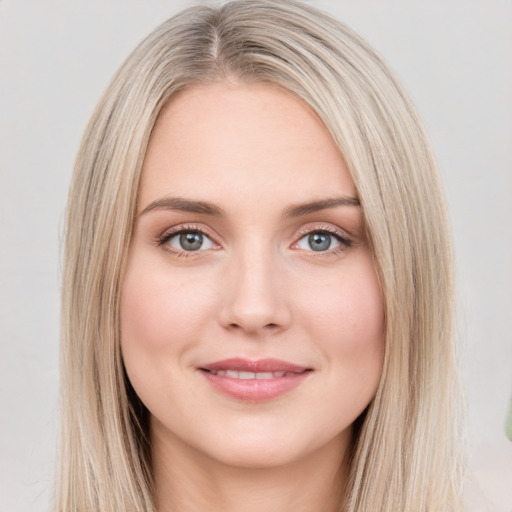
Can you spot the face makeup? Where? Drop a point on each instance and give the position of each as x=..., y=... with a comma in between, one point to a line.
x=254, y=381
x=251, y=315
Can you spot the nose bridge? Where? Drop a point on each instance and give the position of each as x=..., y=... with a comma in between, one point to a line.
x=256, y=298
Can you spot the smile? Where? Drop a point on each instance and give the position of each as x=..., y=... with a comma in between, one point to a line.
x=233, y=374
x=254, y=381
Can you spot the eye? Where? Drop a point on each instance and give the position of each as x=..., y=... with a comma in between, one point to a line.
x=321, y=241
x=190, y=241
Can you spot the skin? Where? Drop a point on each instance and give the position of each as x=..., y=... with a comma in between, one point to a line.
x=255, y=289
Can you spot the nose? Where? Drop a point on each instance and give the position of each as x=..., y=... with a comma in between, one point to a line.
x=256, y=301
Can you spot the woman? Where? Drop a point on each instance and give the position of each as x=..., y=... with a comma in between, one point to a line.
x=257, y=306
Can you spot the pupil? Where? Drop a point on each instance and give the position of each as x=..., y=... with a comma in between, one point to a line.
x=191, y=241
x=319, y=241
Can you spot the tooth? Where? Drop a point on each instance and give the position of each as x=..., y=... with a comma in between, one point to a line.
x=220, y=372
x=264, y=375
x=246, y=375
x=214, y=372
x=232, y=373
x=278, y=374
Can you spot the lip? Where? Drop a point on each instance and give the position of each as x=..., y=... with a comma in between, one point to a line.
x=256, y=389
x=259, y=365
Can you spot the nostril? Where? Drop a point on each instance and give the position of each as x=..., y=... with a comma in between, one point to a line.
x=251, y=313
x=270, y=326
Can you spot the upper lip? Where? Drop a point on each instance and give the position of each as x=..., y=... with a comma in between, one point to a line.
x=255, y=366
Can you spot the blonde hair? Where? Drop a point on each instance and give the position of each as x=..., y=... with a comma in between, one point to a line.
x=406, y=455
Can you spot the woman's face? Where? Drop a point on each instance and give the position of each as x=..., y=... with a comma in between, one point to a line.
x=251, y=316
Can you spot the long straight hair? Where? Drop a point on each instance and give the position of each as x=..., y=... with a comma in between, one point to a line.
x=406, y=455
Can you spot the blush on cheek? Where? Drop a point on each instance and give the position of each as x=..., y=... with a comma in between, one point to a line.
x=161, y=309
x=139, y=316
x=364, y=309
x=351, y=318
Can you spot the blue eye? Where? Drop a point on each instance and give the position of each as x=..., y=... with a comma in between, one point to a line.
x=319, y=241
x=190, y=241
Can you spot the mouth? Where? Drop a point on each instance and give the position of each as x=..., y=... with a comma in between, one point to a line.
x=234, y=374
x=254, y=381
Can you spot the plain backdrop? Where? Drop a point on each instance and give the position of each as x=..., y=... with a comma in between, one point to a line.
x=56, y=57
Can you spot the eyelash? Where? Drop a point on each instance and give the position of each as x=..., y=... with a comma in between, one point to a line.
x=340, y=236
x=345, y=243
x=178, y=230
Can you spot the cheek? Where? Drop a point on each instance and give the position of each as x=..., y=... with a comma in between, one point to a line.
x=158, y=308
x=347, y=321
x=350, y=309
x=160, y=324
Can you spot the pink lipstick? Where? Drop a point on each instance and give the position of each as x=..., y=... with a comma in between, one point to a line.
x=254, y=381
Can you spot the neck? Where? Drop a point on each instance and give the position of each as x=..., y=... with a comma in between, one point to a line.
x=188, y=481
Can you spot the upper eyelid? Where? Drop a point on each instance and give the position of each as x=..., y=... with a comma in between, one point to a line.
x=180, y=228
x=326, y=228
x=183, y=228
x=345, y=239
x=299, y=234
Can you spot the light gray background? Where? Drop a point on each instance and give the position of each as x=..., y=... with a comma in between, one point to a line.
x=56, y=57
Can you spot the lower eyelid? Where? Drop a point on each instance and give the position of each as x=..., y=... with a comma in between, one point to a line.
x=343, y=241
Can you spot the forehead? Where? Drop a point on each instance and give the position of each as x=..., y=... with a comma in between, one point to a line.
x=221, y=142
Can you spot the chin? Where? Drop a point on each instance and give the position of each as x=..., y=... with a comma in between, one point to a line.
x=264, y=446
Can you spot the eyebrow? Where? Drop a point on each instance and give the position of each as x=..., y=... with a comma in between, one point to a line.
x=323, y=204
x=207, y=208
x=184, y=205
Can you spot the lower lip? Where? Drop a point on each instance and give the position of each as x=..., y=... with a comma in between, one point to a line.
x=255, y=390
